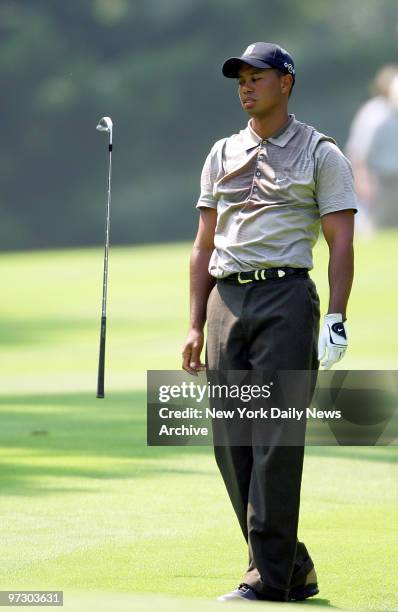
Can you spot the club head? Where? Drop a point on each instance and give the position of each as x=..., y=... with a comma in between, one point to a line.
x=105, y=124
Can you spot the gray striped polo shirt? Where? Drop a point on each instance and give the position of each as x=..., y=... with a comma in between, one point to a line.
x=270, y=195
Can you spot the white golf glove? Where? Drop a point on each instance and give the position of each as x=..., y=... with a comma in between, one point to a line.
x=333, y=342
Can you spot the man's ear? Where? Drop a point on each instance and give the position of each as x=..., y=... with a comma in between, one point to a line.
x=286, y=83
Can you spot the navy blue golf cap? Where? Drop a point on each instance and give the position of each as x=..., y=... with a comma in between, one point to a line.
x=261, y=55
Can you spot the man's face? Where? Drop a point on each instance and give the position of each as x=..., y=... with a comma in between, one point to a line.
x=260, y=90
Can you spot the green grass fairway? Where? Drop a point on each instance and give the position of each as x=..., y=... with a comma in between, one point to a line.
x=87, y=508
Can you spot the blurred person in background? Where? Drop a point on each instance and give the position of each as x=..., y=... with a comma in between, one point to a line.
x=372, y=147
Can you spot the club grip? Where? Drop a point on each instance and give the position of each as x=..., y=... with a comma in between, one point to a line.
x=101, y=362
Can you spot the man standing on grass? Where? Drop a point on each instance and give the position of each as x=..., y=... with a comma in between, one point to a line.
x=265, y=192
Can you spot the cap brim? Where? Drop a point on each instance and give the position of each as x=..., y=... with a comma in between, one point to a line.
x=232, y=66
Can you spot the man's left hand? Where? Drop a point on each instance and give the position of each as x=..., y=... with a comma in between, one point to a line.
x=333, y=341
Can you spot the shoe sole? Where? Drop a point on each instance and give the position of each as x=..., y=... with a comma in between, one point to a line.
x=303, y=592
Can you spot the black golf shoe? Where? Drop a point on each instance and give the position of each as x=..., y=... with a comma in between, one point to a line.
x=308, y=589
x=242, y=592
x=303, y=592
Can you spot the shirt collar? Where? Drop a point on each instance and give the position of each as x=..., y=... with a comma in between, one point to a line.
x=280, y=138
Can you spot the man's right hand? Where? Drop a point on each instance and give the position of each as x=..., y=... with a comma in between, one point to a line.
x=191, y=351
x=201, y=284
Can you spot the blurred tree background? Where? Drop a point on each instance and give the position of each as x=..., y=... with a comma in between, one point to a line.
x=154, y=67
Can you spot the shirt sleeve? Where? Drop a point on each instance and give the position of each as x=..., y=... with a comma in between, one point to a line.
x=334, y=181
x=211, y=172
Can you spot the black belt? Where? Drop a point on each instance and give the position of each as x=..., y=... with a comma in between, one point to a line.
x=265, y=274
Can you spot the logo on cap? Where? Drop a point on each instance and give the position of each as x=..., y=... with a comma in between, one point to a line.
x=289, y=67
x=249, y=50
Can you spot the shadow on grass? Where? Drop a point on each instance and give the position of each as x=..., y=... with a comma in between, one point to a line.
x=79, y=436
x=325, y=603
x=384, y=454
x=28, y=331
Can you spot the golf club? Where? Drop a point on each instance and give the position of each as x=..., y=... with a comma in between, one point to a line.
x=105, y=125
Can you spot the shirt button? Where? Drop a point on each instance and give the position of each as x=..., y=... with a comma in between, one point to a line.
x=258, y=173
x=254, y=188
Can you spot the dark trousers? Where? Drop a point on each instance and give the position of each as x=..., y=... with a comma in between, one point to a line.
x=266, y=325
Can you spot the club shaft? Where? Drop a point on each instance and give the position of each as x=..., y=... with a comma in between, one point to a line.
x=107, y=228
x=101, y=362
